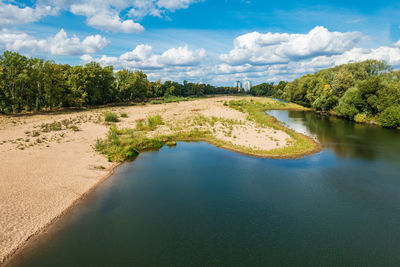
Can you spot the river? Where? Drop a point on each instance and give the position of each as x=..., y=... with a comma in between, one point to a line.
x=198, y=205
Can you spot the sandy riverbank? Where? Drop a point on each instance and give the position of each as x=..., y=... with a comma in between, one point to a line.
x=45, y=170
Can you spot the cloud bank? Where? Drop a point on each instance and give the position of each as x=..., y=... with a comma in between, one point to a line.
x=57, y=45
x=107, y=15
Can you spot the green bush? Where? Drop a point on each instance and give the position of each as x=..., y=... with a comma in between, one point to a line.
x=122, y=144
x=390, y=117
x=150, y=125
x=124, y=115
x=110, y=116
x=361, y=118
x=154, y=121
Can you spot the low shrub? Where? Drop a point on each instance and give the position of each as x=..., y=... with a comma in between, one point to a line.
x=124, y=115
x=154, y=121
x=110, y=117
x=361, y=118
x=122, y=144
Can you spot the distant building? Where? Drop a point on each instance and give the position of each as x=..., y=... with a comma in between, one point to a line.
x=247, y=86
x=238, y=85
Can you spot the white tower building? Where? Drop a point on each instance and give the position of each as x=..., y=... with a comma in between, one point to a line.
x=247, y=86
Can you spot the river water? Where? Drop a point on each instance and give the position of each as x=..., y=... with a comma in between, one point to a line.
x=198, y=205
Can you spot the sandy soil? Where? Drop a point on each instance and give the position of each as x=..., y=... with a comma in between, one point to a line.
x=44, y=171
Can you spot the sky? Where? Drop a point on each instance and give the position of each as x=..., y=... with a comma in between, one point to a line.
x=209, y=41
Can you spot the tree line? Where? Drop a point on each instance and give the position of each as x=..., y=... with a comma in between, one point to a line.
x=32, y=84
x=367, y=91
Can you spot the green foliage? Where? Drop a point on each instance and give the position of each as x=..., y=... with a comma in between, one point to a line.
x=123, y=144
x=154, y=121
x=110, y=117
x=367, y=87
x=350, y=104
x=124, y=115
x=32, y=84
x=149, y=125
x=361, y=118
x=390, y=117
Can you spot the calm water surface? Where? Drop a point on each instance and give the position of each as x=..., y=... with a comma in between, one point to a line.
x=198, y=205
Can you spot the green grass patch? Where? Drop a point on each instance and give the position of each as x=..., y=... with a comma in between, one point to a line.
x=110, y=117
x=149, y=125
x=170, y=99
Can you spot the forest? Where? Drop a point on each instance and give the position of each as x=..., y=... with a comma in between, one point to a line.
x=365, y=92
x=32, y=84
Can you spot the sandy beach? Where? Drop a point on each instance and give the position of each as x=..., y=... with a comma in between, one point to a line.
x=45, y=171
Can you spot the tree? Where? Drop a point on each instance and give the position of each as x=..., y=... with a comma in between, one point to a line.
x=132, y=85
x=342, y=81
x=351, y=103
x=14, y=80
x=54, y=84
x=78, y=96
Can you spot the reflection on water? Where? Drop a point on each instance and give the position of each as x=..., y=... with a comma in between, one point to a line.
x=345, y=138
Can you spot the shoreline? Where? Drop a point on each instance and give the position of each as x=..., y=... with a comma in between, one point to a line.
x=8, y=258
x=100, y=178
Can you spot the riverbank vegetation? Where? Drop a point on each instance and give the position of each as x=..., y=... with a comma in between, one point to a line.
x=124, y=144
x=32, y=84
x=365, y=92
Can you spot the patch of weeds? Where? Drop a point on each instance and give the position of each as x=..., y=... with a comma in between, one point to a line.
x=50, y=127
x=154, y=121
x=110, y=117
x=123, y=115
x=156, y=102
x=74, y=128
x=149, y=125
x=100, y=167
x=171, y=143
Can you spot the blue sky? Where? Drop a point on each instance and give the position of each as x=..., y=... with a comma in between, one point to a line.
x=216, y=41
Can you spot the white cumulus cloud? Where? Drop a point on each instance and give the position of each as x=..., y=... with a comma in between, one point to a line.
x=273, y=48
x=108, y=15
x=60, y=44
x=12, y=14
x=175, y=4
x=143, y=57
